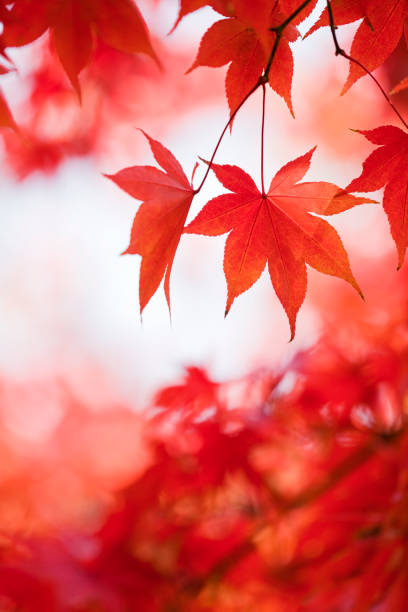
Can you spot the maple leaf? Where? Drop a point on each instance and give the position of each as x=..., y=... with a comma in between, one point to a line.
x=276, y=228
x=344, y=12
x=245, y=41
x=190, y=6
x=377, y=36
x=159, y=222
x=193, y=397
x=73, y=24
x=387, y=166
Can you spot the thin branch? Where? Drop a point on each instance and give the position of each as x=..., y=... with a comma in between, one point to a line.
x=263, y=137
x=292, y=16
x=340, y=51
x=232, y=116
x=265, y=76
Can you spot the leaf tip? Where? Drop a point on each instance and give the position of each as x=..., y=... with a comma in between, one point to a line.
x=401, y=258
x=346, y=86
x=143, y=132
x=193, y=65
x=111, y=177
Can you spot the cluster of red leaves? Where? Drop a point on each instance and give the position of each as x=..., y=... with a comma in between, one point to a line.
x=54, y=127
x=283, y=490
x=74, y=25
x=99, y=38
x=273, y=228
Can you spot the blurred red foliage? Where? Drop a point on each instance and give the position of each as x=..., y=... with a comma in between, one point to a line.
x=118, y=90
x=281, y=491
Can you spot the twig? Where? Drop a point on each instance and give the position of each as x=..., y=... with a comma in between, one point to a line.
x=232, y=116
x=340, y=51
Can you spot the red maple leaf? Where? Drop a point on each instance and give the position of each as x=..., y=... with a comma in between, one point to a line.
x=245, y=41
x=277, y=228
x=378, y=34
x=196, y=394
x=159, y=221
x=189, y=6
x=73, y=24
x=387, y=166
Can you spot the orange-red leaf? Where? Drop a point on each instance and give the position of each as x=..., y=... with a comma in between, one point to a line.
x=344, y=11
x=246, y=42
x=189, y=6
x=387, y=166
x=276, y=228
x=159, y=222
x=73, y=24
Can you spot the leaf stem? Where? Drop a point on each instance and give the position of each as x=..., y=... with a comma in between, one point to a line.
x=263, y=138
x=231, y=118
x=261, y=81
x=340, y=51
